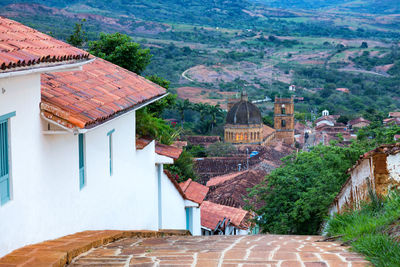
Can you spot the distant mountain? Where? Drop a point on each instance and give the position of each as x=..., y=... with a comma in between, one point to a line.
x=358, y=6
x=202, y=12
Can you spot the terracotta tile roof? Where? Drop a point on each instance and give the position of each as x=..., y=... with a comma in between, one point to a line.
x=212, y=214
x=223, y=178
x=164, y=150
x=232, y=190
x=175, y=183
x=24, y=47
x=194, y=191
x=100, y=92
x=358, y=120
x=331, y=118
x=142, y=143
x=267, y=131
x=168, y=151
x=395, y=114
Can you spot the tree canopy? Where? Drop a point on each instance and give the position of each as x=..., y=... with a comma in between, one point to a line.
x=121, y=50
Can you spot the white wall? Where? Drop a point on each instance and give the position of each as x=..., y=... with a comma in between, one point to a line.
x=393, y=166
x=18, y=216
x=196, y=221
x=173, y=205
x=46, y=201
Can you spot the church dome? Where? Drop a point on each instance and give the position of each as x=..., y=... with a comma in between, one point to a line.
x=242, y=113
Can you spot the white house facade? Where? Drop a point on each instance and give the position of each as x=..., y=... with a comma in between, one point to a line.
x=68, y=157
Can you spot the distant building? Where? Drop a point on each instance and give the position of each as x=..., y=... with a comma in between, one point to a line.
x=343, y=90
x=244, y=124
x=325, y=113
x=284, y=119
x=292, y=88
x=395, y=114
x=218, y=219
x=359, y=123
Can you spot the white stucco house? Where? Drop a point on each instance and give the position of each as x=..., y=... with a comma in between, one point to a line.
x=68, y=157
x=219, y=219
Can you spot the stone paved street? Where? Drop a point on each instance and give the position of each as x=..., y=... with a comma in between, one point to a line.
x=259, y=250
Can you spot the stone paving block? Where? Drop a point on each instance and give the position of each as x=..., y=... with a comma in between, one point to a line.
x=291, y=264
x=330, y=257
x=315, y=264
x=285, y=256
x=207, y=263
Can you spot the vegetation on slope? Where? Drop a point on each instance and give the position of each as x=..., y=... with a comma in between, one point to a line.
x=369, y=230
x=297, y=195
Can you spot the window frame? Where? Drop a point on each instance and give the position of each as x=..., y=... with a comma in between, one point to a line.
x=82, y=160
x=8, y=174
x=111, y=151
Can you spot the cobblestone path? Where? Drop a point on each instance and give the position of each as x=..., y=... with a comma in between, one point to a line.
x=258, y=250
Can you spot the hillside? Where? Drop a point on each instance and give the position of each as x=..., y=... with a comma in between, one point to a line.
x=211, y=49
x=357, y=6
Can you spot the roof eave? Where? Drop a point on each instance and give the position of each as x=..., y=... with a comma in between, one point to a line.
x=76, y=65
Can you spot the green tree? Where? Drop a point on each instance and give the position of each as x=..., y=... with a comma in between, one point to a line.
x=221, y=149
x=78, y=38
x=297, y=195
x=158, y=107
x=183, y=167
x=119, y=49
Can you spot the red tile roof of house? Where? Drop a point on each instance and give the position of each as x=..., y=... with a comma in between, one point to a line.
x=161, y=149
x=24, y=47
x=142, y=143
x=358, y=120
x=223, y=178
x=168, y=151
x=212, y=214
x=194, y=191
x=98, y=93
x=395, y=114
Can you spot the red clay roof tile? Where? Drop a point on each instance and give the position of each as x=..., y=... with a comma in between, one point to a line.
x=22, y=47
x=164, y=150
x=100, y=92
x=194, y=191
x=169, y=151
x=212, y=214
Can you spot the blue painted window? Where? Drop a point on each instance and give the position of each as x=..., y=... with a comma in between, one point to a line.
x=5, y=185
x=82, y=178
x=110, y=147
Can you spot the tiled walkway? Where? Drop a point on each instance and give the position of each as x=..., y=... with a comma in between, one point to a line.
x=262, y=250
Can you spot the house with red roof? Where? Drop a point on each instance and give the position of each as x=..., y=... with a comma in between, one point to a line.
x=69, y=159
x=195, y=194
x=219, y=219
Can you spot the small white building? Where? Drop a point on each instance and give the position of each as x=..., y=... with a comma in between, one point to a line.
x=68, y=157
x=219, y=219
x=292, y=88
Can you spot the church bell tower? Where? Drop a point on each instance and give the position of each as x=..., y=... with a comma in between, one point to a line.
x=284, y=119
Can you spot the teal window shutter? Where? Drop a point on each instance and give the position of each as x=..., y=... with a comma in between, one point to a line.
x=4, y=159
x=110, y=147
x=82, y=178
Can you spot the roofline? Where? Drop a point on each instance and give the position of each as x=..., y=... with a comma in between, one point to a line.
x=56, y=68
x=77, y=130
